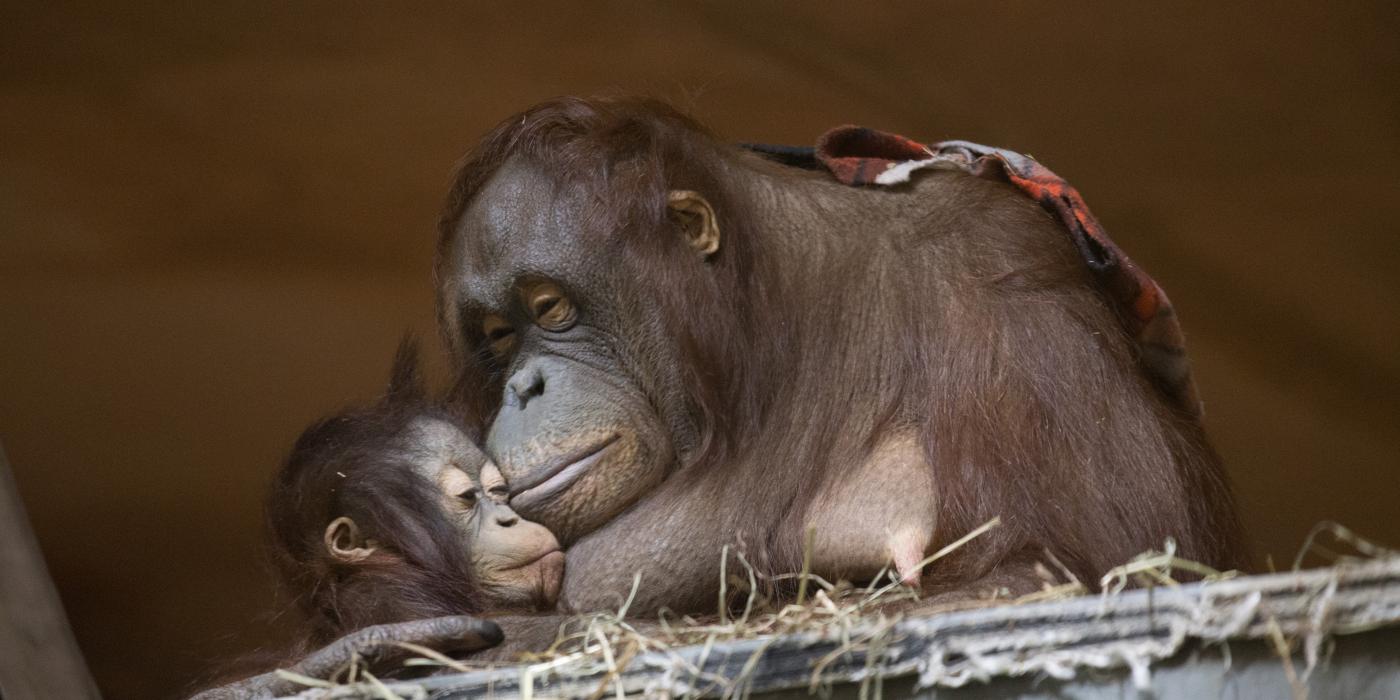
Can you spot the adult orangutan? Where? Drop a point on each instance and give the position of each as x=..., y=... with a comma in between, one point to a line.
x=673, y=344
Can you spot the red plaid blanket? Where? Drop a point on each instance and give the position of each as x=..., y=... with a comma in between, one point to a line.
x=861, y=156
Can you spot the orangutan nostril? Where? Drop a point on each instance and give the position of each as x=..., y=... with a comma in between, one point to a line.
x=526, y=384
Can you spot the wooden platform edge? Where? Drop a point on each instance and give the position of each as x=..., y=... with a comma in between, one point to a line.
x=1061, y=640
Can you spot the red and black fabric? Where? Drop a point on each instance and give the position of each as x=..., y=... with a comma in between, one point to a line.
x=860, y=156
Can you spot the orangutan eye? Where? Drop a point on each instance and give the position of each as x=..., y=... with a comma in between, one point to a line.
x=499, y=335
x=468, y=497
x=499, y=491
x=551, y=310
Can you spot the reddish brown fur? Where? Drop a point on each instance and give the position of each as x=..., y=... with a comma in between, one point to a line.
x=353, y=465
x=831, y=314
x=420, y=568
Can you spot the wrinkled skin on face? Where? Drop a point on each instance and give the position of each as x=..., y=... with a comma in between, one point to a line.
x=590, y=416
x=518, y=563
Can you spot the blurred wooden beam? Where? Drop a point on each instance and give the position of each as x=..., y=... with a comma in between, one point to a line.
x=38, y=656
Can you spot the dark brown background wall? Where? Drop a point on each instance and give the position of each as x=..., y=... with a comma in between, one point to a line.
x=216, y=222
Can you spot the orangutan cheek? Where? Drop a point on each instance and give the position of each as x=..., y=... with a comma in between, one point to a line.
x=512, y=589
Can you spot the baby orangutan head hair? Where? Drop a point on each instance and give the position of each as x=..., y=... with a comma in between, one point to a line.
x=392, y=513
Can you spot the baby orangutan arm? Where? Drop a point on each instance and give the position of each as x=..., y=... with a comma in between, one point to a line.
x=375, y=645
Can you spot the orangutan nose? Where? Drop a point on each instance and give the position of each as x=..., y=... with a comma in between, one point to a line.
x=525, y=385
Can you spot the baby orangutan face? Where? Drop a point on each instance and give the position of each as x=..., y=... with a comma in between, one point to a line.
x=518, y=563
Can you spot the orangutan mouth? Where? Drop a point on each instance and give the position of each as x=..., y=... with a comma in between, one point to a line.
x=554, y=480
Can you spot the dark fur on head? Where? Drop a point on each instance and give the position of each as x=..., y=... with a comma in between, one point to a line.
x=353, y=464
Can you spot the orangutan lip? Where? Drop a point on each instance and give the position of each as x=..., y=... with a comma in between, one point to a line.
x=555, y=479
x=536, y=560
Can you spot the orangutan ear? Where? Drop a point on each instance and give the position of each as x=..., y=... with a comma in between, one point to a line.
x=344, y=542
x=697, y=219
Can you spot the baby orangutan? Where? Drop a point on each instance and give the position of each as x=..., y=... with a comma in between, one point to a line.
x=391, y=515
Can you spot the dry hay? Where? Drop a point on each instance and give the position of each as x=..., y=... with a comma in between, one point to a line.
x=857, y=616
x=862, y=619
